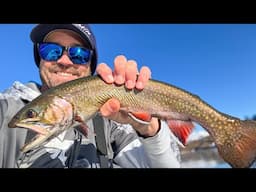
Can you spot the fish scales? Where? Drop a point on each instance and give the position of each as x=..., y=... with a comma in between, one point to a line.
x=234, y=138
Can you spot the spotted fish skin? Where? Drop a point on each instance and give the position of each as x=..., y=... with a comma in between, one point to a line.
x=58, y=108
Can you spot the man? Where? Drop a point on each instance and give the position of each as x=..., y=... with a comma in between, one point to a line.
x=64, y=52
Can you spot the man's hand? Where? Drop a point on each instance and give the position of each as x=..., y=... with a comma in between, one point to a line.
x=125, y=72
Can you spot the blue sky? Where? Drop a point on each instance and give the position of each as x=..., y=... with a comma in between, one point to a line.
x=215, y=61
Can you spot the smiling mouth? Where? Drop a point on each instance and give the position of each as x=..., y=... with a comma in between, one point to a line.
x=65, y=74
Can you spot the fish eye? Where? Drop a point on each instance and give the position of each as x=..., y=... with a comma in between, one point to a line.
x=31, y=113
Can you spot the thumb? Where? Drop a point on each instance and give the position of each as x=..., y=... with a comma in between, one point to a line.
x=109, y=108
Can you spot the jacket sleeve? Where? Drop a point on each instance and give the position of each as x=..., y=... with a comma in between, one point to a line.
x=131, y=151
x=11, y=139
x=162, y=149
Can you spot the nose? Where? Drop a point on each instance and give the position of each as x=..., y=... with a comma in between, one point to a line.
x=64, y=59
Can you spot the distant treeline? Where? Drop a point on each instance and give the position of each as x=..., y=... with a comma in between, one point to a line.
x=251, y=118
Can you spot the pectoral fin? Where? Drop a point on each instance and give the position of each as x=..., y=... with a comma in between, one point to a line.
x=181, y=129
x=141, y=117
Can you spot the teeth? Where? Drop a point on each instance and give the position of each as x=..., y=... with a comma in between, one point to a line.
x=65, y=74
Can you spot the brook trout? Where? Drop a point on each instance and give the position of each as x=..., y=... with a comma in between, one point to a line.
x=77, y=101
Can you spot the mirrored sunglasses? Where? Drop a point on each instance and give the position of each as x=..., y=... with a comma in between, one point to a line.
x=53, y=51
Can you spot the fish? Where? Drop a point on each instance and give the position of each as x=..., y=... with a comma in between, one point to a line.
x=75, y=102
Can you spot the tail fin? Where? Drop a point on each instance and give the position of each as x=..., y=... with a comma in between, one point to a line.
x=241, y=152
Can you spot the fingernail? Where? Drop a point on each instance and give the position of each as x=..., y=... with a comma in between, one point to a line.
x=110, y=79
x=119, y=79
x=139, y=85
x=130, y=84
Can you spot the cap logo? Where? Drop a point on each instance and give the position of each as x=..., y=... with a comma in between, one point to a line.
x=83, y=29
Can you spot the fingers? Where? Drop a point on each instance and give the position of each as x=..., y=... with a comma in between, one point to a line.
x=131, y=74
x=119, y=71
x=110, y=108
x=144, y=76
x=105, y=72
x=125, y=72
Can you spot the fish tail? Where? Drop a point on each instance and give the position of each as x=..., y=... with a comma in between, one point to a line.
x=240, y=149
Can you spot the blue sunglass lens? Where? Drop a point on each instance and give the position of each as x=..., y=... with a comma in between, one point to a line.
x=79, y=55
x=52, y=52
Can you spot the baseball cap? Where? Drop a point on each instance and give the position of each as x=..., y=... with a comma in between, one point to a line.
x=39, y=32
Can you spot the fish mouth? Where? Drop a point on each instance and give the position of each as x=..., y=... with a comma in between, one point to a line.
x=36, y=141
x=38, y=128
x=32, y=124
x=13, y=122
x=43, y=133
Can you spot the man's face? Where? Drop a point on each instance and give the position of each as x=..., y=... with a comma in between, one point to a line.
x=57, y=72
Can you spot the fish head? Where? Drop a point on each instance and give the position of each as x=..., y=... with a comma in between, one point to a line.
x=46, y=115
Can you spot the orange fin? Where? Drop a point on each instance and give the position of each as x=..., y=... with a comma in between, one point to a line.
x=141, y=117
x=181, y=129
x=83, y=128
